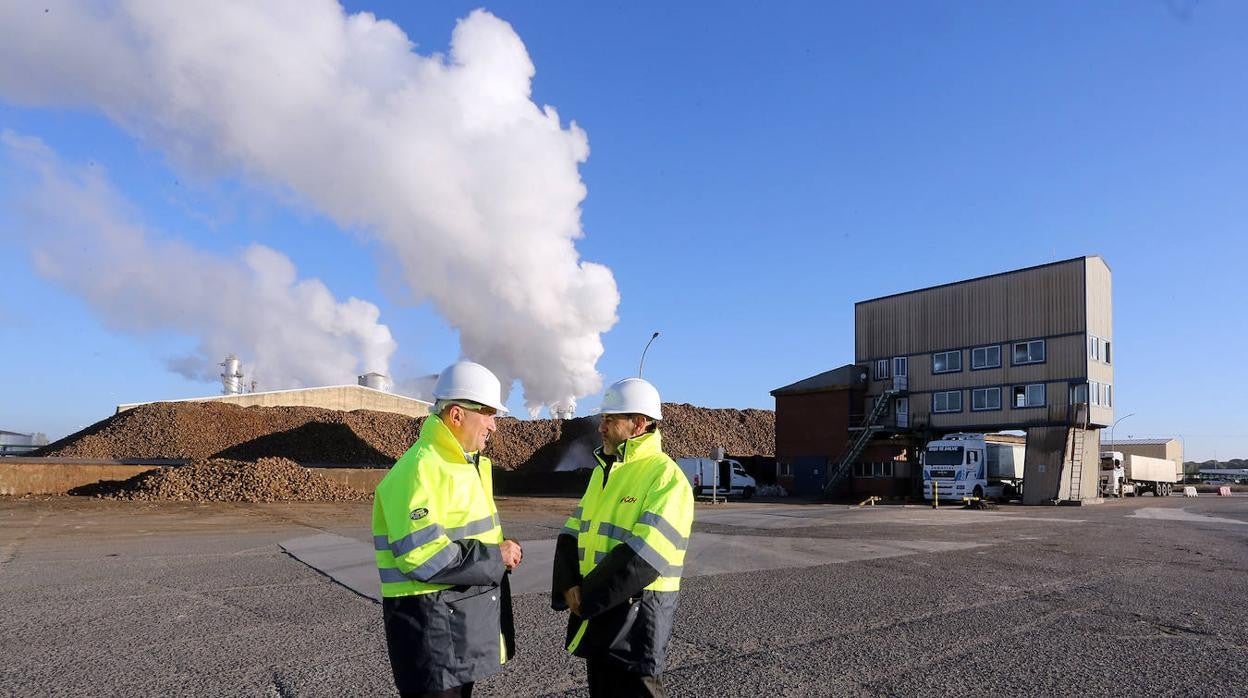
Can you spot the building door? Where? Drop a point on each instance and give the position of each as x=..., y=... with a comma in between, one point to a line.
x=902, y=411
x=809, y=475
x=900, y=372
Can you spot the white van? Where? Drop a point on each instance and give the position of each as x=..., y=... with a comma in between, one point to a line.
x=707, y=473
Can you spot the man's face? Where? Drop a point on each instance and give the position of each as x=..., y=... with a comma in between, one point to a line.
x=618, y=428
x=471, y=425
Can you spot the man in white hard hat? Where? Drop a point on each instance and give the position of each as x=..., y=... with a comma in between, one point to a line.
x=446, y=602
x=619, y=558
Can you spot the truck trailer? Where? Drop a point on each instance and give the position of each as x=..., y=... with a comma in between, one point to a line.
x=1134, y=475
x=974, y=465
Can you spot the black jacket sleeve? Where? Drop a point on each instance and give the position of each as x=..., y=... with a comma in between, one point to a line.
x=478, y=564
x=567, y=570
x=620, y=576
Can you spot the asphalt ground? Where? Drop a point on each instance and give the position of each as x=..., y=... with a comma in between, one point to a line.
x=1145, y=595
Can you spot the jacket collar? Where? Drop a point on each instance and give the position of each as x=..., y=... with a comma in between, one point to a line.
x=435, y=432
x=637, y=448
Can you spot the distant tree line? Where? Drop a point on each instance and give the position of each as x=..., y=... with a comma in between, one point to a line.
x=1191, y=466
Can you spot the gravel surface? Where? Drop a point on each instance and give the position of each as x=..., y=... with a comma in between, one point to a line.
x=309, y=435
x=1129, y=598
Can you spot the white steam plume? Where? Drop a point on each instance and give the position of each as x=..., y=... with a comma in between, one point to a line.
x=290, y=332
x=446, y=159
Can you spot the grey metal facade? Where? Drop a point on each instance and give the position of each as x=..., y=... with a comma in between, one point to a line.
x=1011, y=350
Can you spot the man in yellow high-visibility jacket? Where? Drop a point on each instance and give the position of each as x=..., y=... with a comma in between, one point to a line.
x=440, y=549
x=619, y=558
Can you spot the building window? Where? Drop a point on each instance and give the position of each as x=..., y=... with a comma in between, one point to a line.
x=784, y=469
x=1029, y=352
x=948, y=401
x=1029, y=395
x=1098, y=348
x=900, y=366
x=1101, y=394
x=881, y=369
x=985, y=357
x=1079, y=394
x=947, y=362
x=985, y=399
x=877, y=469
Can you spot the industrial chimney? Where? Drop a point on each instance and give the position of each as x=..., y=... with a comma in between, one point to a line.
x=232, y=376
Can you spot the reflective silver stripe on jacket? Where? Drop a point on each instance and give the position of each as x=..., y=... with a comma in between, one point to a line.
x=570, y=531
x=580, y=553
x=440, y=560
x=410, y=542
x=471, y=528
x=612, y=531
x=584, y=526
x=653, y=557
x=667, y=529
x=639, y=545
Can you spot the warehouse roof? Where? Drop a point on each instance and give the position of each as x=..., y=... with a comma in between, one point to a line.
x=1136, y=442
x=847, y=376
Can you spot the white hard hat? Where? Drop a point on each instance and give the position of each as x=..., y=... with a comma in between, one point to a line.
x=464, y=380
x=632, y=396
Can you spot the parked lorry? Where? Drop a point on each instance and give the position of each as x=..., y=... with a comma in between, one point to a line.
x=1134, y=475
x=988, y=466
x=723, y=478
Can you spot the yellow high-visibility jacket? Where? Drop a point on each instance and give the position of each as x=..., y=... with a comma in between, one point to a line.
x=436, y=535
x=625, y=547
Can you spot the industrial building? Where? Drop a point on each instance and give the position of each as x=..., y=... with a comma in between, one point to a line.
x=14, y=443
x=334, y=397
x=372, y=392
x=1029, y=349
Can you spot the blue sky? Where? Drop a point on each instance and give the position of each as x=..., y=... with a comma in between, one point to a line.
x=752, y=173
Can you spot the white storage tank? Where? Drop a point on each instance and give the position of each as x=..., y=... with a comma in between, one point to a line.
x=376, y=381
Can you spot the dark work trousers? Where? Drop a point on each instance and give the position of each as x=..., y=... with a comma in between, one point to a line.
x=609, y=680
x=464, y=691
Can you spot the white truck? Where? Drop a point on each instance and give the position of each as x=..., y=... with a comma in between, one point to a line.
x=1134, y=475
x=723, y=477
x=973, y=465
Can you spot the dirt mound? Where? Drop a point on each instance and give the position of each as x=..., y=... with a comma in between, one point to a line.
x=222, y=480
x=200, y=430
x=690, y=431
x=316, y=436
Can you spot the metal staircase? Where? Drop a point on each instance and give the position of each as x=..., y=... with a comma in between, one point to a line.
x=856, y=446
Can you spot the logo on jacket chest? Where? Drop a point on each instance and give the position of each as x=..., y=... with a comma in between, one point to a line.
x=418, y=514
x=628, y=499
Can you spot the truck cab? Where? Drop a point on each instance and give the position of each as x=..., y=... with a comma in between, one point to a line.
x=1113, y=477
x=972, y=465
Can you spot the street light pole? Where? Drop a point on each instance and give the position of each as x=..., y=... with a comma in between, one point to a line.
x=642, y=366
x=1111, y=428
